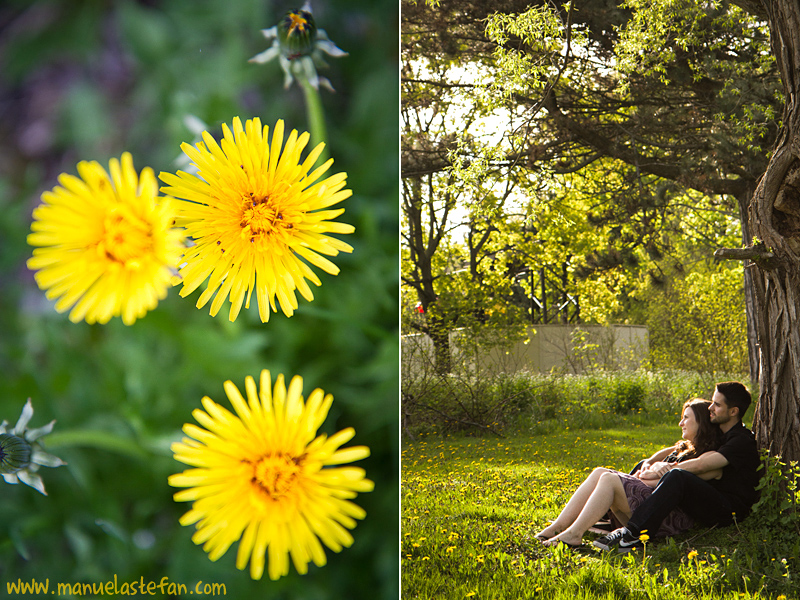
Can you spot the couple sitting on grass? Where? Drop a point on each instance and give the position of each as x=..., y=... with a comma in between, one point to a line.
x=708, y=478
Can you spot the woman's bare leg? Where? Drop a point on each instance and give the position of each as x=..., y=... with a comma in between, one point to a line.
x=607, y=494
x=575, y=505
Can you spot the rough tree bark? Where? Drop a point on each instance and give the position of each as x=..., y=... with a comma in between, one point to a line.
x=743, y=200
x=775, y=227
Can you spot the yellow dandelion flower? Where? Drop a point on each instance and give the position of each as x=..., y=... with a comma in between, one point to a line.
x=104, y=244
x=258, y=217
x=264, y=477
x=692, y=554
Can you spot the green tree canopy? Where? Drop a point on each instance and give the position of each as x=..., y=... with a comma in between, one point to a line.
x=668, y=98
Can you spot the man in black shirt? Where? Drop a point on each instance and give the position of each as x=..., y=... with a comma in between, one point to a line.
x=715, y=488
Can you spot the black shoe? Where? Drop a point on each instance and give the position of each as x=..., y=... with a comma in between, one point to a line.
x=619, y=537
x=629, y=542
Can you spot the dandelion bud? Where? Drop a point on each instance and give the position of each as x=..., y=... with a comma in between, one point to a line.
x=299, y=45
x=21, y=453
x=297, y=33
x=15, y=453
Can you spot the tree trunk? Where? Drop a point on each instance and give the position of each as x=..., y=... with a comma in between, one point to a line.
x=775, y=227
x=749, y=287
x=440, y=336
x=750, y=316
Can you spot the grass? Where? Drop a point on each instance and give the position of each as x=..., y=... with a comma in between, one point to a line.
x=471, y=507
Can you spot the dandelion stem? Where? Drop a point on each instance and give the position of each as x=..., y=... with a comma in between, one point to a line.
x=316, y=117
x=99, y=440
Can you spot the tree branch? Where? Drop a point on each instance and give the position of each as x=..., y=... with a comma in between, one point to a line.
x=613, y=148
x=758, y=254
x=753, y=253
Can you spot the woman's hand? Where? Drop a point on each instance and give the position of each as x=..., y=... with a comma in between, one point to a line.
x=648, y=474
x=660, y=466
x=654, y=472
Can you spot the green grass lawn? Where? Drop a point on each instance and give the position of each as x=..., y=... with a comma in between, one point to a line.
x=471, y=508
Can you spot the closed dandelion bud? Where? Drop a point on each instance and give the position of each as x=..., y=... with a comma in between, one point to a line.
x=297, y=33
x=21, y=452
x=299, y=47
x=15, y=454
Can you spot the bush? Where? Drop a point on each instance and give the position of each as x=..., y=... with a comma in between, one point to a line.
x=628, y=397
x=776, y=508
x=537, y=402
x=698, y=320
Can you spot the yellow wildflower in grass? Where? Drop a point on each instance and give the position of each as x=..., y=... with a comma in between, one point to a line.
x=257, y=216
x=262, y=476
x=104, y=243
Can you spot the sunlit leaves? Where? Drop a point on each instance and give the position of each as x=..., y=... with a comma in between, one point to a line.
x=725, y=51
x=542, y=35
x=699, y=321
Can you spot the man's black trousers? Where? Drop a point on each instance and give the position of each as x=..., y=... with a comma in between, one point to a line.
x=681, y=489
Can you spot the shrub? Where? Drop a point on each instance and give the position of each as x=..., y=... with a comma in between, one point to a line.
x=776, y=508
x=535, y=403
x=628, y=397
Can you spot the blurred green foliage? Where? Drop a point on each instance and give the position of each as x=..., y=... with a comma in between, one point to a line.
x=88, y=80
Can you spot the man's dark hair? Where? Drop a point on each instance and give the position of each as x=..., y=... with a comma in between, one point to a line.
x=736, y=394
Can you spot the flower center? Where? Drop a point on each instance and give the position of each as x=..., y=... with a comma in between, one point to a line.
x=126, y=238
x=276, y=474
x=295, y=22
x=263, y=218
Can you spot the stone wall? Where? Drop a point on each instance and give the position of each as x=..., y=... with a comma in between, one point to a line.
x=561, y=348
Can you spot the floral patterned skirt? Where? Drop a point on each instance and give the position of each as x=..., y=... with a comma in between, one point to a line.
x=676, y=522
